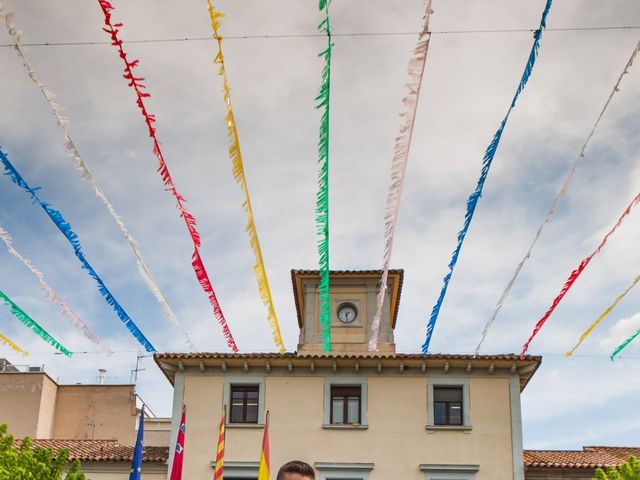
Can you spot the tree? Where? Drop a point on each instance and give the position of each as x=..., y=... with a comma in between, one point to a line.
x=27, y=463
x=629, y=470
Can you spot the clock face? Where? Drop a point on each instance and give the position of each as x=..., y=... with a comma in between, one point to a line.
x=347, y=312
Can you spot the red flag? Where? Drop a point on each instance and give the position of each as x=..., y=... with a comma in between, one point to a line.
x=220, y=451
x=178, y=456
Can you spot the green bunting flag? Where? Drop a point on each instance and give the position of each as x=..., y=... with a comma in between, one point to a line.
x=33, y=325
x=322, y=197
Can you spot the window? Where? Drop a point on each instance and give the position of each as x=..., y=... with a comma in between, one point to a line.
x=447, y=406
x=449, y=472
x=343, y=471
x=239, y=470
x=244, y=403
x=244, y=400
x=448, y=402
x=345, y=405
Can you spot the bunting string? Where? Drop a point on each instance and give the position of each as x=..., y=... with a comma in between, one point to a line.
x=33, y=325
x=73, y=239
x=576, y=273
x=52, y=296
x=601, y=317
x=85, y=173
x=322, y=196
x=139, y=88
x=621, y=347
x=554, y=205
x=235, y=155
x=5, y=340
x=399, y=164
x=490, y=153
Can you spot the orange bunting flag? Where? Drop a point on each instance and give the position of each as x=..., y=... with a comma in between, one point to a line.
x=263, y=472
x=219, y=469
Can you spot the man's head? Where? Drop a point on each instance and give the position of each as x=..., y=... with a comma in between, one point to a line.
x=296, y=470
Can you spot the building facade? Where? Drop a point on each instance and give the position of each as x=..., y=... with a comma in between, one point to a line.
x=351, y=413
x=35, y=405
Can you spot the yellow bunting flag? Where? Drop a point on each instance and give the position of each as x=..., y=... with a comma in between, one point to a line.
x=15, y=347
x=238, y=174
x=601, y=317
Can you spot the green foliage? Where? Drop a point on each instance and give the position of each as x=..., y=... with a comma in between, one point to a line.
x=26, y=463
x=629, y=470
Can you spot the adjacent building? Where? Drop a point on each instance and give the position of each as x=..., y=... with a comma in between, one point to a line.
x=35, y=405
x=574, y=464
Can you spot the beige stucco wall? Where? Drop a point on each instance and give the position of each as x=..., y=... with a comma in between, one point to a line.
x=396, y=440
x=157, y=432
x=20, y=397
x=110, y=407
x=47, y=408
x=121, y=471
x=203, y=395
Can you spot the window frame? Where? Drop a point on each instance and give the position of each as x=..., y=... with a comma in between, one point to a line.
x=343, y=471
x=239, y=470
x=449, y=471
x=345, y=392
x=245, y=389
x=448, y=405
x=346, y=381
x=247, y=380
x=434, y=381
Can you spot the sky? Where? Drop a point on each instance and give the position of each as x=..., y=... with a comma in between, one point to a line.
x=468, y=84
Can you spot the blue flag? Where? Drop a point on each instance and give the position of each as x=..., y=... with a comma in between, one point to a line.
x=136, y=465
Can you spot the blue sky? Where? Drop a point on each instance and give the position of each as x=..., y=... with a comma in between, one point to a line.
x=469, y=82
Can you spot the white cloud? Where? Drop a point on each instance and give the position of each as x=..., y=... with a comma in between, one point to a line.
x=619, y=332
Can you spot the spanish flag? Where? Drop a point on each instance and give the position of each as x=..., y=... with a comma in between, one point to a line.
x=220, y=452
x=263, y=472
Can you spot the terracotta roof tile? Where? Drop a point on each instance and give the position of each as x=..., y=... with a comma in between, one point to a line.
x=400, y=356
x=168, y=358
x=589, y=457
x=101, y=450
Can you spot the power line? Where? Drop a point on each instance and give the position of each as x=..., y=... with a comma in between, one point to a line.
x=335, y=34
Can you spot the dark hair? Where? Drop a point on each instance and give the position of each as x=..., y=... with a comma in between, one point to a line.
x=296, y=466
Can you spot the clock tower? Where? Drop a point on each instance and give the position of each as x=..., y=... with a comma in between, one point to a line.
x=353, y=296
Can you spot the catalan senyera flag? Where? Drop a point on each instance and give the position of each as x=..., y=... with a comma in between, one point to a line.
x=263, y=472
x=178, y=456
x=219, y=471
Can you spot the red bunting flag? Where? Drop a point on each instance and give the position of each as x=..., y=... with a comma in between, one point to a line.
x=135, y=82
x=178, y=456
